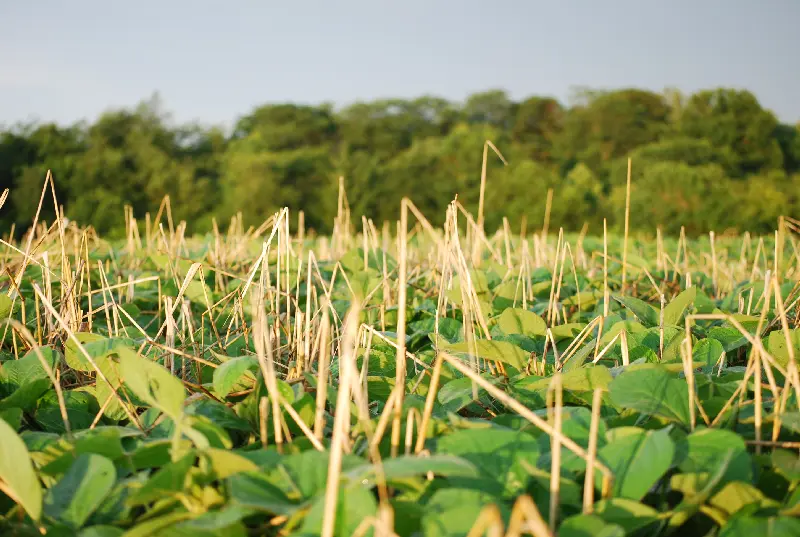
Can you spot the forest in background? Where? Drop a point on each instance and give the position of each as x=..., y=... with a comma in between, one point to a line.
x=714, y=160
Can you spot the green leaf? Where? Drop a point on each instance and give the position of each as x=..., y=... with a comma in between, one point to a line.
x=410, y=466
x=226, y=463
x=12, y=416
x=652, y=390
x=255, y=491
x=101, y=531
x=26, y=396
x=81, y=491
x=153, y=526
x=96, y=346
x=776, y=345
x=352, y=507
x=307, y=472
x=706, y=449
x=566, y=331
x=500, y=455
x=16, y=472
x=583, y=379
x=6, y=303
x=227, y=375
x=195, y=292
x=749, y=526
x=675, y=311
x=637, y=459
x=643, y=311
x=628, y=514
x=457, y=393
x=737, y=495
x=15, y=374
x=787, y=463
x=707, y=351
x=521, y=321
x=500, y=351
x=589, y=526
x=451, y=512
x=104, y=392
x=167, y=481
x=77, y=403
x=152, y=383
x=219, y=414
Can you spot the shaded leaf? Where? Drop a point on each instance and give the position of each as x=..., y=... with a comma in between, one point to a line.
x=81, y=490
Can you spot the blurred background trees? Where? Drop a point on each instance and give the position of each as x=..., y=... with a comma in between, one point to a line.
x=713, y=160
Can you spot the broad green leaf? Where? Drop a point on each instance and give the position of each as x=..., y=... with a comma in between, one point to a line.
x=637, y=459
x=457, y=393
x=589, y=526
x=16, y=472
x=15, y=374
x=451, y=512
x=583, y=379
x=104, y=392
x=79, y=413
x=167, y=481
x=629, y=514
x=704, y=450
x=643, y=311
x=410, y=466
x=254, y=490
x=227, y=375
x=105, y=441
x=776, y=345
x=566, y=331
x=791, y=421
x=96, y=346
x=101, y=531
x=520, y=321
x=223, y=522
x=307, y=472
x=675, y=311
x=152, y=383
x=500, y=351
x=154, y=526
x=353, y=506
x=6, y=303
x=730, y=337
x=787, y=463
x=12, y=416
x=707, y=351
x=500, y=455
x=654, y=391
x=477, y=279
x=27, y=395
x=226, y=463
x=737, y=495
x=219, y=414
x=750, y=526
x=195, y=292
x=81, y=491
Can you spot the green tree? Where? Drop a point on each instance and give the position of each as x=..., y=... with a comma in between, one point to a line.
x=734, y=119
x=609, y=126
x=537, y=124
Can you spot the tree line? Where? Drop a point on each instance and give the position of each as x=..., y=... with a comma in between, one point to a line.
x=713, y=160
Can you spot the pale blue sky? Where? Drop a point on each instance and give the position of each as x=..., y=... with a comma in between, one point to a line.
x=213, y=61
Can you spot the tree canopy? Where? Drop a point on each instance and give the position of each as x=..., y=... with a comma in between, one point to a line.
x=714, y=160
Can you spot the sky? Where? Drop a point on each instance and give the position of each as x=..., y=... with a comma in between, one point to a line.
x=212, y=62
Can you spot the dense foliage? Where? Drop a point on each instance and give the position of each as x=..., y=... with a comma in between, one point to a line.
x=717, y=148
x=441, y=382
